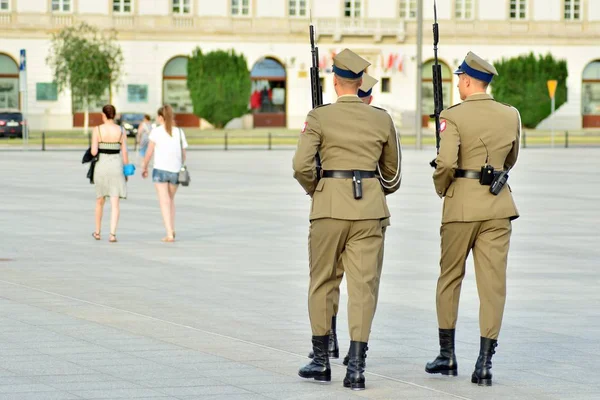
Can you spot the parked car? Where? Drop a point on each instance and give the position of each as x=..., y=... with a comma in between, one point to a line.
x=130, y=122
x=11, y=124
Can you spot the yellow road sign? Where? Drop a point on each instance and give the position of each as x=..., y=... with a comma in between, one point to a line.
x=552, y=88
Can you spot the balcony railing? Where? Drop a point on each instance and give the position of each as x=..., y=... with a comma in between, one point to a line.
x=486, y=31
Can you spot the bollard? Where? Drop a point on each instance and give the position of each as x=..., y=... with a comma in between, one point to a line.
x=43, y=141
x=524, y=145
x=226, y=139
x=566, y=139
x=270, y=140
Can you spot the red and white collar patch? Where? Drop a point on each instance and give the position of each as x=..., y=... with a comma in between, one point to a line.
x=443, y=125
x=304, y=127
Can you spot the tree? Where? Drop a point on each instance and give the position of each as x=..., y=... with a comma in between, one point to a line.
x=521, y=82
x=85, y=61
x=219, y=84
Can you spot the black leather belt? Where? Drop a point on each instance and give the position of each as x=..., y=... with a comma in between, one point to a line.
x=465, y=173
x=347, y=174
x=109, y=151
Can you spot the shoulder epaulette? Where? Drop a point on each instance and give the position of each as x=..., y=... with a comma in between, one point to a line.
x=382, y=109
x=505, y=104
x=451, y=107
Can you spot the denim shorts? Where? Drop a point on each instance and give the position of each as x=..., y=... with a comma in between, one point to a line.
x=162, y=176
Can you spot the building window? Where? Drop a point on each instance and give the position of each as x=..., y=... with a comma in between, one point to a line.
x=572, y=10
x=181, y=7
x=590, y=96
x=175, y=90
x=408, y=9
x=386, y=85
x=297, y=8
x=518, y=9
x=352, y=8
x=46, y=91
x=137, y=93
x=4, y=5
x=241, y=7
x=122, y=6
x=463, y=9
x=61, y=5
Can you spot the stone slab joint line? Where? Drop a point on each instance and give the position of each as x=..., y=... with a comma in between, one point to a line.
x=223, y=336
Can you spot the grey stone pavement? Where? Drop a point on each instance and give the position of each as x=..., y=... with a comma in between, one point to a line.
x=222, y=313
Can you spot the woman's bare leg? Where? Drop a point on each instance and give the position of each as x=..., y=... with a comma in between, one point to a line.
x=114, y=214
x=164, y=200
x=99, y=211
x=172, y=191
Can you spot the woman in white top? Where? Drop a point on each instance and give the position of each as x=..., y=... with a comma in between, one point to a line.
x=168, y=145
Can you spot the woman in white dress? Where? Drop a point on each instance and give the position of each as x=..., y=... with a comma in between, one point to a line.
x=109, y=142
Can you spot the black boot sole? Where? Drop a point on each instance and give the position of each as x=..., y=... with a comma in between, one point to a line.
x=354, y=385
x=481, y=381
x=320, y=377
x=452, y=372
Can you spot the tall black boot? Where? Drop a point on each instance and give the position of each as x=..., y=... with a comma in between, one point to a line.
x=334, y=349
x=355, y=379
x=483, y=374
x=445, y=363
x=319, y=368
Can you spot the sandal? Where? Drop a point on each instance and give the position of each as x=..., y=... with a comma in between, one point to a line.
x=96, y=235
x=113, y=238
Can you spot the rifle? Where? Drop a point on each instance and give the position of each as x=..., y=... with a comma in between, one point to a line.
x=315, y=86
x=438, y=99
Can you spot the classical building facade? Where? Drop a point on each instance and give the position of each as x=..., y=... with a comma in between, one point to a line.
x=157, y=35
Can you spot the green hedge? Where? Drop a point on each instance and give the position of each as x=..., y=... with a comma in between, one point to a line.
x=522, y=83
x=219, y=84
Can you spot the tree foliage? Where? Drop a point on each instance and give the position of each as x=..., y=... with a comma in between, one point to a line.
x=522, y=83
x=219, y=84
x=85, y=61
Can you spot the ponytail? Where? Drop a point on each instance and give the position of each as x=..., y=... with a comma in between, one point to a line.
x=167, y=113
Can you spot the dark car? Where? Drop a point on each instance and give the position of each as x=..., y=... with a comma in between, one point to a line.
x=11, y=124
x=130, y=122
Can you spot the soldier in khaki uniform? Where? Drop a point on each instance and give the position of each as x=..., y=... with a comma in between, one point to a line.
x=476, y=134
x=365, y=94
x=355, y=142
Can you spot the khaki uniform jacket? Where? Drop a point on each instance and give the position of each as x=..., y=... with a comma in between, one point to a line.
x=466, y=130
x=349, y=135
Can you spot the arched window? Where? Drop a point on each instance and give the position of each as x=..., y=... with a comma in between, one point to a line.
x=267, y=98
x=175, y=91
x=427, y=88
x=590, y=95
x=9, y=83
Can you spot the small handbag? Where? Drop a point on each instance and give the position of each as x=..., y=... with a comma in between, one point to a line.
x=184, y=175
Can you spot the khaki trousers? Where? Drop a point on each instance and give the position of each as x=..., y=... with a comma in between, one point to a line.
x=358, y=245
x=489, y=241
x=339, y=274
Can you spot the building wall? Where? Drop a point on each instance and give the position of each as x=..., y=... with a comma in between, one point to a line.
x=150, y=44
x=213, y=8
x=154, y=7
x=32, y=6
x=493, y=10
x=552, y=10
x=94, y=7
